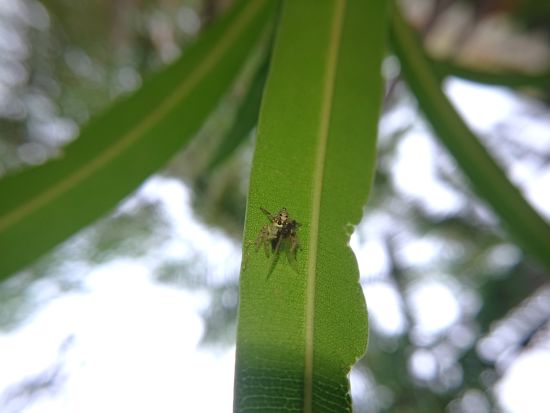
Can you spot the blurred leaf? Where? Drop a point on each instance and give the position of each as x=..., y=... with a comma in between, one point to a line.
x=299, y=331
x=531, y=231
x=539, y=80
x=116, y=151
x=244, y=122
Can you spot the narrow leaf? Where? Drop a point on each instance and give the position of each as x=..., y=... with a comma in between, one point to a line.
x=486, y=176
x=115, y=152
x=244, y=122
x=303, y=323
x=513, y=79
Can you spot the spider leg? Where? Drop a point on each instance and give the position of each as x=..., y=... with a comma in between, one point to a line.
x=263, y=239
x=291, y=252
x=268, y=214
x=275, y=258
x=294, y=244
x=277, y=245
x=246, y=255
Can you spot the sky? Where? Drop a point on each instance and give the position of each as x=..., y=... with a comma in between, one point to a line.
x=128, y=342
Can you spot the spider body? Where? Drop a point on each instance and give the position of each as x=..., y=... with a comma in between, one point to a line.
x=280, y=234
x=281, y=229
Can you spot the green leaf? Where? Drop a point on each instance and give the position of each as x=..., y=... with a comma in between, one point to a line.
x=116, y=151
x=486, y=176
x=513, y=79
x=301, y=329
x=244, y=122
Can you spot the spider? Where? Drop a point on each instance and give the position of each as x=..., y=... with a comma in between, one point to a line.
x=280, y=233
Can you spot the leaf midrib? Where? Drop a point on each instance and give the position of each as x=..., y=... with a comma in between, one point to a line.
x=320, y=156
x=141, y=128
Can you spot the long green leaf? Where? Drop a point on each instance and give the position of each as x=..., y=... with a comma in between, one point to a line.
x=244, y=122
x=488, y=179
x=302, y=326
x=41, y=207
x=514, y=79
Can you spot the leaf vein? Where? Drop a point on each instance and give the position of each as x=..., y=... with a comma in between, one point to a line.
x=323, y=131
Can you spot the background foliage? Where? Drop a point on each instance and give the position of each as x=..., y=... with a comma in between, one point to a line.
x=68, y=71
